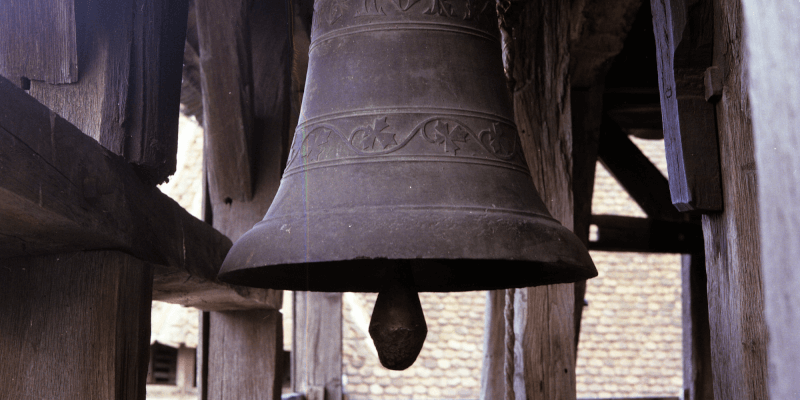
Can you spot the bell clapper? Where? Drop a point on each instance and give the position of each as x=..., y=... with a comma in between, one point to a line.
x=398, y=326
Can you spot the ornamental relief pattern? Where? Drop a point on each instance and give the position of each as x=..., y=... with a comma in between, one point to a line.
x=333, y=12
x=443, y=136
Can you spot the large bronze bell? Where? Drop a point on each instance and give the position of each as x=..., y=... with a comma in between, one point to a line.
x=406, y=169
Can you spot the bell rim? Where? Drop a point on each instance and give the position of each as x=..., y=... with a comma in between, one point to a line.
x=272, y=256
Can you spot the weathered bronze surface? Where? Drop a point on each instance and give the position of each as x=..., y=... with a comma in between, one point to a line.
x=406, y=153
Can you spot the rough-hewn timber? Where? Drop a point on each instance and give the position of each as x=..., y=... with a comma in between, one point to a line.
x=61, y=191
x=684, y=32
x=773, y=48
x=75, y=326
x=130, y=54
x=733, y=253
x=38, y=41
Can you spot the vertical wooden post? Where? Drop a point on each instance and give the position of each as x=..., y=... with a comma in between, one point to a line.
x=545, y=355
x=127, y=93
x=492, y=382
x=245, y=354
x=697, y=381
x=244, y=47
x=733, y=252
x=774, y=87
x=317, y=345
x=75, y=326
x=587, y=116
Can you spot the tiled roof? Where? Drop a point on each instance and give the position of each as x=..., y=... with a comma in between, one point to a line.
x=630, y=343
x=449, y=365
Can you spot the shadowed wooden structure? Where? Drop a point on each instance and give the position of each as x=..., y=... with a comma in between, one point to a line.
x=89, y=102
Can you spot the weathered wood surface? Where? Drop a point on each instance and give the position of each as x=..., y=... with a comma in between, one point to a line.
x=317, y=344
x=733, y=253
x=75, y=326
x=203, y=338
x=38, y=41
x=636, y=173
x=544, y=321
x=646, y=235
x=492, y=375
x=245, y=59
x=270, y=79
x=598, y=29
x=61, y=191
x=223, y=39
x=698, y=383
x=595, y=32
x=774, y=88
x=684, y=32
x=244, y=353
x=130, y=56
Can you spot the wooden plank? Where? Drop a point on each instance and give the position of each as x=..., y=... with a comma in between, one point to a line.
x=38, y=41
x=60, y=190
x=75, y=326
x=773, y=85
x=151, y=125
x=128, y=94
x=317, y=344
x=636, y=173
x=226, y=78
x=544, y=323
x=645, y=235
x=733, y=253
x=684, y=32
x=243, y=359
x=698, y=383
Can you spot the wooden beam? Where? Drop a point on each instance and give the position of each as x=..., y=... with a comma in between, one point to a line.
x=698, y=383
x=587, y=111
x=684, y=31
x=245, y=53
x=739, y=333
x=75, y=326
x=61, y=191
x=38, y=41
x=617, y=233
x=773, y=84
x=317, y=345
x=226, y=78
x=636, y=173
x=492, y=368
x=245, y=353
x=130, y=55
x=544, y=316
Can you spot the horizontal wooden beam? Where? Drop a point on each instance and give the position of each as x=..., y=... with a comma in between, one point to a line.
x=61, y=191
x=617, y=233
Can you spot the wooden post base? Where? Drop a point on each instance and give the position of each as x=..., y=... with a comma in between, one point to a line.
x=74, y=326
